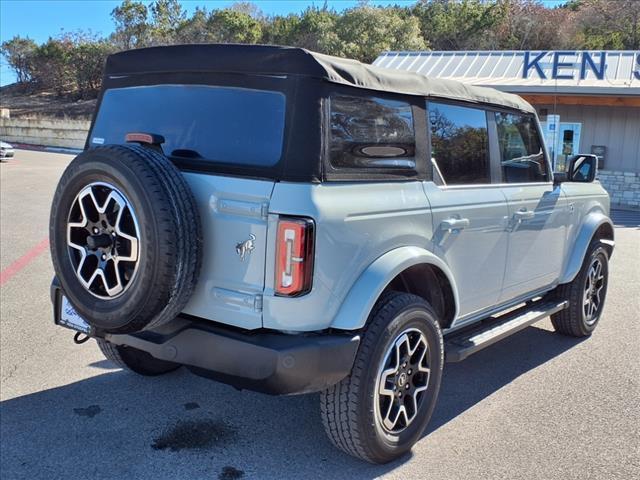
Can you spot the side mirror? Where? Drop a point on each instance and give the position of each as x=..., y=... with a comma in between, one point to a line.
x=582, y=168
x=559, y=177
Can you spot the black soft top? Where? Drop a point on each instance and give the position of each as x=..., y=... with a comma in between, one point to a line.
x=280, y=61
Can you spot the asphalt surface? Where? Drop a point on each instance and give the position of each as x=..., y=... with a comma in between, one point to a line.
x=537, y=405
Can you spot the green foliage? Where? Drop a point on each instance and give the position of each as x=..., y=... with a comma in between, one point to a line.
x=166, y=18
x=87, y=60
x=51, y=65
x=72, y=63
x=131, y=25
x=233, y=26
x=18, y=52
x=610, y=25
x=459, y=25
x=366, y=31
x=194, y=29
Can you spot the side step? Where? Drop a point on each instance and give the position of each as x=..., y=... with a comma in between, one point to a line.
x=467, y=342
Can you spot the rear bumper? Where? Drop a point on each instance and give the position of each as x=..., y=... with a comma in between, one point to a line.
x=268, y=362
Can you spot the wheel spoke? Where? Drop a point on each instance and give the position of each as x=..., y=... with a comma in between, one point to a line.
x=403, y=377
x=96, y=229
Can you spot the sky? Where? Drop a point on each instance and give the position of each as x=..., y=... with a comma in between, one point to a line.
x=41, y=19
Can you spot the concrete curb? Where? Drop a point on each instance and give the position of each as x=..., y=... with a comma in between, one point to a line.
x=44, y=148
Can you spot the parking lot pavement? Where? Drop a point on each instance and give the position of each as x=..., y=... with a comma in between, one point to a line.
x=537, y=405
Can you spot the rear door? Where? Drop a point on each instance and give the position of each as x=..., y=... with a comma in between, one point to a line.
x=234, y=220
x=469, y=212
x=538, y=213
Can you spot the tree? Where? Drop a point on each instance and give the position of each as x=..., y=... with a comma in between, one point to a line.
x=317, y=31
x=249, y=8
x=19, y=53
x=167, y=16
x=609, y=25
x=459, y=25
x=528, y=24
x=52, y=66
x=88, y=60
x=195, y=29
x=232, y=26
x=281, y=30
x=366, y=31
x=131, y=24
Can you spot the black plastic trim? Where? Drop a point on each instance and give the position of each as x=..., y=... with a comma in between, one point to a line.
x=264, y=361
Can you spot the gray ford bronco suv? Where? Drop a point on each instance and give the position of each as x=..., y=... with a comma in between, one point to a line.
x=289, y=222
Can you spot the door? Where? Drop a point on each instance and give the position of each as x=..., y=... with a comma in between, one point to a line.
x=537, y=209
x=234, y=235
x=200, y=129
x=569, y=144
x=469, y=213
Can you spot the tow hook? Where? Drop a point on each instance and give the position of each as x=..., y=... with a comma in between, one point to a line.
x=78, y=339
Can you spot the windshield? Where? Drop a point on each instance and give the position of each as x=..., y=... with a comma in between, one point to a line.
x=214, y=124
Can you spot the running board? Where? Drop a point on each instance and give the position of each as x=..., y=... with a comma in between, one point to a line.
x=493, y=329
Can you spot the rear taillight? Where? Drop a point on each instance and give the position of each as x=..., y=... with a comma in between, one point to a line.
x=294, y=257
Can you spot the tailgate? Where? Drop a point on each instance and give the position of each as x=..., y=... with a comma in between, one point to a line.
x=234, y=226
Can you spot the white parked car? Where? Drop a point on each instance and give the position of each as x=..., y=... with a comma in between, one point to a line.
x=6, y=150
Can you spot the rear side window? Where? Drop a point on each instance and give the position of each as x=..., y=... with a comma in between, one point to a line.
x=521, y=155
x=236, y=126
x=371, y=132
x=459, y=144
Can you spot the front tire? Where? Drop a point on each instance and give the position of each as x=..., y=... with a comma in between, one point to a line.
x=586, y=295
x=381, y=409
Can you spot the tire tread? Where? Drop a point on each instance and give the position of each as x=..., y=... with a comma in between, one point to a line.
x=339, y=406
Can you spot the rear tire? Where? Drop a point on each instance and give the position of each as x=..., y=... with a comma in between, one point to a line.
x=138, y=361
x=581, y=317
x=362, y=414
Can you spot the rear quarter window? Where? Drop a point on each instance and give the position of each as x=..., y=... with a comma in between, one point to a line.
x=227, y=125
x=371, y=133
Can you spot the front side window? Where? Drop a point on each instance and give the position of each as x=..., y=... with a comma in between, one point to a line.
x=371, y=132
x=521, y=155
x=235, y=126
x=459, y=144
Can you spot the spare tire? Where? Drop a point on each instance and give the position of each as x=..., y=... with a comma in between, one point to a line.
x=125, y=238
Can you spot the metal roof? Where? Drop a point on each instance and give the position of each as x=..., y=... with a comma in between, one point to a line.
x=609, y=72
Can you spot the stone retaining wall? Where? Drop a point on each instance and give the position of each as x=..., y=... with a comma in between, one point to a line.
x=53, y=132
x=624, y=187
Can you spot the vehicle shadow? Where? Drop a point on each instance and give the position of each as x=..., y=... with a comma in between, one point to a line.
x=118, y=425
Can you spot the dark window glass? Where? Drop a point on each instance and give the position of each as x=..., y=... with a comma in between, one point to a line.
x=216, y=124
x=521, y=152
x=459, y=144
x=371, y=132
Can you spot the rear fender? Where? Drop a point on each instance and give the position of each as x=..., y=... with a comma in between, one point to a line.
x=360, y=300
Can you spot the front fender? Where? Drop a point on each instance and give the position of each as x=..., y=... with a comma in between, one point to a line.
x=590, y=225
x=357, y=305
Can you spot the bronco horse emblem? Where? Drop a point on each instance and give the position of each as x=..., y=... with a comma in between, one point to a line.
x=245, y=248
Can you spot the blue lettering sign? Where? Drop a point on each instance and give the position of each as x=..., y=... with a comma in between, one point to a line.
x=598, y=71
x=557, y=65
x=636, y=73
x=528, y=64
